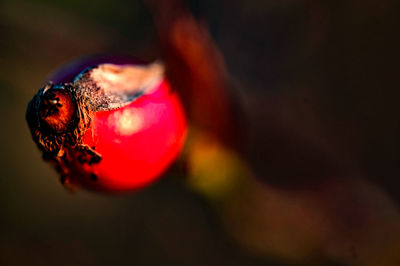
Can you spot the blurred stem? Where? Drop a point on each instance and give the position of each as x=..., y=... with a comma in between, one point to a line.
x=196, y=68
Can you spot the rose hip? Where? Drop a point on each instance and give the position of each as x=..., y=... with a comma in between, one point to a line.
x=113, y=127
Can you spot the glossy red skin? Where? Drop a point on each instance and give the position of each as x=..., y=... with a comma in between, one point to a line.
x=137, y=142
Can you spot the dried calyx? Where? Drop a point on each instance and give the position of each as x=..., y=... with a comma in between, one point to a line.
x=57, y=117
x=56, y=108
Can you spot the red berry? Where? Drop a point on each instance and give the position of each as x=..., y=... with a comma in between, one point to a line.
x=127, y=126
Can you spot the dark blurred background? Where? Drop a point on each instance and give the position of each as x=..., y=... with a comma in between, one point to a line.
x=319, y=75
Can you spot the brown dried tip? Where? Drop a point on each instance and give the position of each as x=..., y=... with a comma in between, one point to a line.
x=56, y=109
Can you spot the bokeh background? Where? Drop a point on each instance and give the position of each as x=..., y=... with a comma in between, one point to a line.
x=319, y=84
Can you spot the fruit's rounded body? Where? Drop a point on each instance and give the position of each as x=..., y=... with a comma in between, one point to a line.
x=137, y=142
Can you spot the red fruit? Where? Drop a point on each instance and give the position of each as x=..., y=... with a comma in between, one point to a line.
x=137, y=126
x=137, y=142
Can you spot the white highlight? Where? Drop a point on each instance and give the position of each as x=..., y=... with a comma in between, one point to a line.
x=128, y=122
